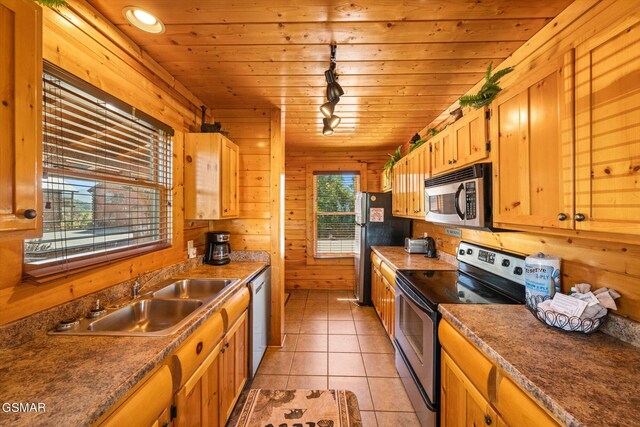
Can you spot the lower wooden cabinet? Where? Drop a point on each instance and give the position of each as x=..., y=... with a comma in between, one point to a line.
x=462, y=404
x=233, y=366
x=383, y=294
x=148, y=406
x=475, y=392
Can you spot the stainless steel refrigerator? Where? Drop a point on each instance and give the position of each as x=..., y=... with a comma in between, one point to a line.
x=375, y=226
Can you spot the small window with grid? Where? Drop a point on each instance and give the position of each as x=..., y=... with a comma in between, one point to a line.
x=106, y=185
x=334, y=213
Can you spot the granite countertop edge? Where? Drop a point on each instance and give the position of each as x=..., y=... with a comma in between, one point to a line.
x=542, y=398
x=166, y=345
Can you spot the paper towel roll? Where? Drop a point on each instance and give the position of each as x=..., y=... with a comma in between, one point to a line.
x=542, y=275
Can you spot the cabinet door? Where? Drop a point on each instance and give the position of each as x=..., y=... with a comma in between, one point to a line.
x=230, y=182
x=470, y=134
x=461, y=403
x=391, y=312
x=396, y=191
x=608, y=129
x=198, y=401
x=20, y=117
x=442, y=151
x=233, y=367
x=532, y=126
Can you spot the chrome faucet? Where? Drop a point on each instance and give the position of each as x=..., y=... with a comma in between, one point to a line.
x=135, y=288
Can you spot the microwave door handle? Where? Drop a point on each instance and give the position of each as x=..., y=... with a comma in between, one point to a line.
x=457, y=201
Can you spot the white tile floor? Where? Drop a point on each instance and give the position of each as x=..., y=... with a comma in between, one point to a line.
x=333, y=343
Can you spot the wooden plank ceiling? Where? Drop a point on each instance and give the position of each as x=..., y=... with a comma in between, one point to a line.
x=400, y=62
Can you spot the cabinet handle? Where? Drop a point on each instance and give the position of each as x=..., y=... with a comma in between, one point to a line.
x=450, y=162
x=562, y=217
x=30, y=213
x=454, y=161
x=225, y=210
x=580, y=217
x=199, y=347
x=487, y=420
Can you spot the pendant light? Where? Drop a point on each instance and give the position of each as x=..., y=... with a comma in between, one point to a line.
x=326, y=129
x=328, y=107
x=333, y=93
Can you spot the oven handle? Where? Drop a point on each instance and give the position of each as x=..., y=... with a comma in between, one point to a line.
x=406, y=290
x=457, y=202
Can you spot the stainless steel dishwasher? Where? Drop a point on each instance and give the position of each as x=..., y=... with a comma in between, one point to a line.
x=260, y=317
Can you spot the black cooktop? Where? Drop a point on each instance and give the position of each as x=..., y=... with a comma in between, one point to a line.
x=454, y=287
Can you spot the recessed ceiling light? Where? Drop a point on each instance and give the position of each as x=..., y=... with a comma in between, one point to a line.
x=143, y=20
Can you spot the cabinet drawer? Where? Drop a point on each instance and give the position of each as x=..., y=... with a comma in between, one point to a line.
x=234, y=307
x=375, y=260
x=388, y=273
x=473, y=364
x=146, y=404
x=198, y=346
x=518, y=409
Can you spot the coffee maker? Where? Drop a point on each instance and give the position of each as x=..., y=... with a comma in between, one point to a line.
x=218, y=248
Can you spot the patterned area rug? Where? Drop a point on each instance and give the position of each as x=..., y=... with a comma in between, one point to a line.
x=300, y=408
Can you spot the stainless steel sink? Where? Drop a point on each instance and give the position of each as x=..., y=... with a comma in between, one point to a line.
x=194, y=288
x=157, y=313
x=146, y=316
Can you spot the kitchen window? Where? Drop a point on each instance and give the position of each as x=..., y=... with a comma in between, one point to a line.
x=334, y=213
x=106, y=179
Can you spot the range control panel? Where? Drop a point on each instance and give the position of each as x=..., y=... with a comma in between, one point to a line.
x=509, y=266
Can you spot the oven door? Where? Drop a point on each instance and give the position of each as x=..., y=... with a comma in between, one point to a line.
x=415, y=335
x=445, y=203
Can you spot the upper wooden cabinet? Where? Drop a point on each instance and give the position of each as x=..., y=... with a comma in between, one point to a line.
x=460, y=144
x=532, y=126
x=20, y=117
x=608, y=132
x=408, y=183
x=386, y=181
x=211, y=176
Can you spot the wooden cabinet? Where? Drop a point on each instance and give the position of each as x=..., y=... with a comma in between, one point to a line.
x=399, y=197
x=461, y=403
x=211, y=176
x=532, y=127
x=148, y=405
x=383, y=294
x=213, y=368
x=20, y=117
x=462, y=143
x=607, y=157
x=408, y=183
x=386, y=181
x=475, y=392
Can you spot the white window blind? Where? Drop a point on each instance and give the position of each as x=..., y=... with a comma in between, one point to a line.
x=106, y=179
x=334, y=213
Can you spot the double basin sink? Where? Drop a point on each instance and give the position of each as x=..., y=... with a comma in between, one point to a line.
x=157, y=313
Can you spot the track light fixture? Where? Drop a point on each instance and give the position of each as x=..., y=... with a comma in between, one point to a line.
x=334, y=92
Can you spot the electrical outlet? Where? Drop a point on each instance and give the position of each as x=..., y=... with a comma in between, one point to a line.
x=425, y=235
x=190, y=245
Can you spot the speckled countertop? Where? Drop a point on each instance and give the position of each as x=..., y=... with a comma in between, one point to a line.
x=397, y=257
x=79, y=378
x=584, y=380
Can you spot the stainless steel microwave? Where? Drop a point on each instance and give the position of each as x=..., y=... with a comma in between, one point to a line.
x=461, y=198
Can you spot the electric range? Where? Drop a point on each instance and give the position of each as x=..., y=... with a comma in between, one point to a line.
x=484, y=276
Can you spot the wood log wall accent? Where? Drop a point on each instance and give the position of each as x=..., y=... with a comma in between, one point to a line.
x=330, y=273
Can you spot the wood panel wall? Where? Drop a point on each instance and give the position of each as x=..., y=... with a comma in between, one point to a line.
x=83, y=43
x=324, y=274
x=251, y=130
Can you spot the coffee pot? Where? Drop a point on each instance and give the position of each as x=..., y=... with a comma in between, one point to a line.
x=218, y=248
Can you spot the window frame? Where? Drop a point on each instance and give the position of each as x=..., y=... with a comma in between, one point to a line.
x=356, y=168
x=54, y=269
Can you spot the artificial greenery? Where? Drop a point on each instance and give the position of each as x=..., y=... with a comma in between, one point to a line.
x=397, y=155
x=432, y=132
x=54, y=4
x=417, y=144
x=488, y=91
